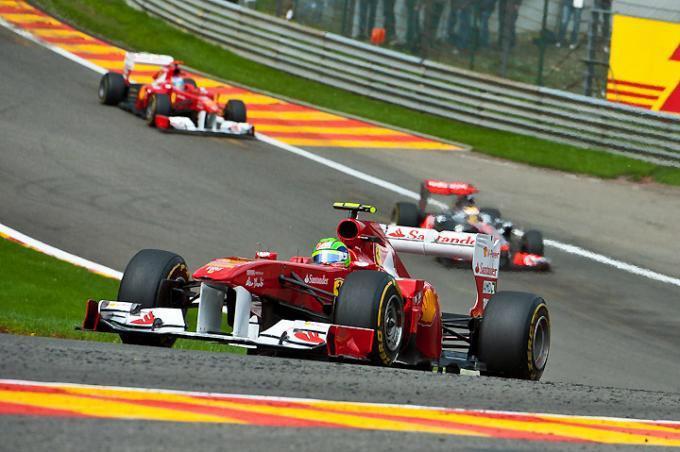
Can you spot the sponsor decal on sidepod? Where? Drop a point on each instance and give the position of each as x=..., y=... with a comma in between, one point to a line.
x=256, y=282
x=317, y=280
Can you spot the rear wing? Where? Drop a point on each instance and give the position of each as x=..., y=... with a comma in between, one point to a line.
x=152, y=59
x=482, y=249
x=439, y=187
x=429, y=242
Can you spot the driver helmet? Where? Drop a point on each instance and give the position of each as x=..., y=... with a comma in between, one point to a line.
x=466, y=205
x=177, y=82
x=176, y=76
x=464, y=201
x=331, y=251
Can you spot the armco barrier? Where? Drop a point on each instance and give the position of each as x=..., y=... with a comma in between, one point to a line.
x=426, y=85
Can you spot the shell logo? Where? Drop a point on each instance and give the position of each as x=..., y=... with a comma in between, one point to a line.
x=430, y=306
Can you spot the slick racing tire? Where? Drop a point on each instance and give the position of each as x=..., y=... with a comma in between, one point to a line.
x=112, y=89
x=141, y=284
x=494, y=213
x=159, y=104
x=532, y=242
x=235, y=110
x=406, y=214
x=514, y=336
x=371, y=299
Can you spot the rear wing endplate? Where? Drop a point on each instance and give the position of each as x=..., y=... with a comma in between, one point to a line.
x=485, y=265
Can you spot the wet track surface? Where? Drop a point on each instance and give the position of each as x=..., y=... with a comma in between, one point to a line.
x=98, y=182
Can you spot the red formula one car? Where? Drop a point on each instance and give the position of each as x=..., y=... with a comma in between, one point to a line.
x=519, y=249
x=173, y=102
x=363, y=305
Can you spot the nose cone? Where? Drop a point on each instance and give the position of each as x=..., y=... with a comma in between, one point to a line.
x=220, y=269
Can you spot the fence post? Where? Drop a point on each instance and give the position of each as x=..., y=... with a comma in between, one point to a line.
x=475, y=34
x=504, y=7
x=544, y=35
x=590, y=60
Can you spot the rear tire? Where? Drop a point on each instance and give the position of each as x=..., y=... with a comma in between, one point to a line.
x=532, y=242
x=112, y=89
x=141, y=284
x=159, y=104
x=235, y=110
x=406, y=214
x=371, y=299
x=514, y=337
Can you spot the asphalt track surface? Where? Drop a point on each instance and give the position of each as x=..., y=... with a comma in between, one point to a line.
x=99, y=183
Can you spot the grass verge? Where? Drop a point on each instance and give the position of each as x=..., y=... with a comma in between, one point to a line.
x=43, y=296
x=133, y=29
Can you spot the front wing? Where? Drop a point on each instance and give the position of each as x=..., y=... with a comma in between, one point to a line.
x=221, y=128
x=289, y=335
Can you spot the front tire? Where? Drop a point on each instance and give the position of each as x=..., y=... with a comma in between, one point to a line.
x=235, y=110
x=406, y=214
x=371, y=299
x=514, y=337
x=112, y=89
x=141, y=284
x=159, y=104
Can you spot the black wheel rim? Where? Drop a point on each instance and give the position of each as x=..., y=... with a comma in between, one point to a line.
x=393, y=324
x=102, y=91
x=541, y=345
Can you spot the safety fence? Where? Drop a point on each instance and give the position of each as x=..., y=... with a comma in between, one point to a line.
x=425, y=85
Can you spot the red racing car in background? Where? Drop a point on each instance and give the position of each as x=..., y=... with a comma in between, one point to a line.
x=362, y=306
x=519, y=249
x=173, y=102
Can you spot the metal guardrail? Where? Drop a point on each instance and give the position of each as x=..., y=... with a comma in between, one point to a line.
x=426, y=85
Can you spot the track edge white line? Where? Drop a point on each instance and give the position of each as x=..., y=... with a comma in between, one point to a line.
x=37, y=245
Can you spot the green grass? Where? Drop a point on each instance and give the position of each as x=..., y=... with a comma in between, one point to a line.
x=43, y=296
x=126, y=27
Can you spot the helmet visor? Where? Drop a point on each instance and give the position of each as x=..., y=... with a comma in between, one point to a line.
x=329, y=256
